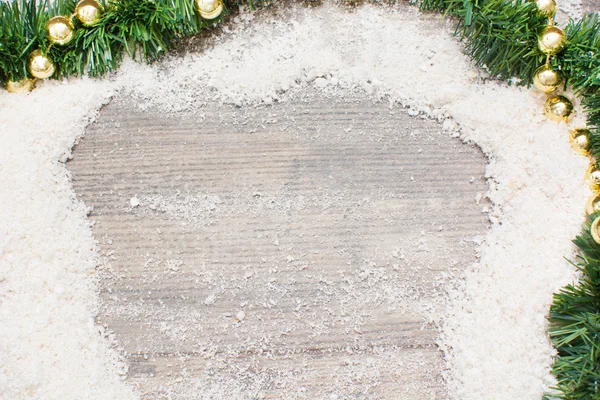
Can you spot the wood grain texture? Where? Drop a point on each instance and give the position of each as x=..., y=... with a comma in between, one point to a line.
x=332, y=224
x=590, y=5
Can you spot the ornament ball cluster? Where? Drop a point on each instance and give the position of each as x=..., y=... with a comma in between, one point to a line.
x=559, y=108
x=61, y=31
x=551, y=41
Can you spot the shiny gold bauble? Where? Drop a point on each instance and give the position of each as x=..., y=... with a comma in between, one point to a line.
x=60, y=30
x=592, y=175
x=593, y=203
x=546, y=79
x=89, y=12
x=580, y=141
x=546, y=8
x=209, y=9
x=552, y=40
x=594, y=230
x=40, y=66
x=558, y=108
x=23, y=86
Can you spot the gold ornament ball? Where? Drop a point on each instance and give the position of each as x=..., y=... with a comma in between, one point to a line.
x=547, y=8
x=23, y=86
x=592, y=175
x=60, y=30
x=546, y=79
x=40, y=66
x=558, y=108
x=595, y=177
x=552, y=40
x=580, y=141
x=593, y=203
x=209, y=9
x=594, y=230
x=89, y=12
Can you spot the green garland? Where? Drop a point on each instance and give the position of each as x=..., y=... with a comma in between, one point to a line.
x=500, y=35
x=144, y=29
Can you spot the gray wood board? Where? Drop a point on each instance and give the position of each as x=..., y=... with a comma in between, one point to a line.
x=329, y=222
x=588, y=5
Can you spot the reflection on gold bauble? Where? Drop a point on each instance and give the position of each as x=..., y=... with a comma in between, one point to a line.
x=546, y=79
x=547, y=8
x=40, y=66
x=558, y=108
x=552, y=40
x=592, y=175
x=60, y=30
x=593, y=203
x=580, y=141
x=594, y=230
x=23, y=86
x=89, y=12
x=209, y=9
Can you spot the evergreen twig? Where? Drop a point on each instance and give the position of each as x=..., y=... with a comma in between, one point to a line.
x=22, y=30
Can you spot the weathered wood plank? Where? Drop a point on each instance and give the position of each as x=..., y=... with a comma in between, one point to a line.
x=328, y=223
x=589, y=5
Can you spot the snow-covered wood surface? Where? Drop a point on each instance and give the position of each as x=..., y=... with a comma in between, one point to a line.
x=290, y=251
x=287, y=251
x=590, y=5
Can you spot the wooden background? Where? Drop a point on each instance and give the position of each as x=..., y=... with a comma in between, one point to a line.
x=329, y=223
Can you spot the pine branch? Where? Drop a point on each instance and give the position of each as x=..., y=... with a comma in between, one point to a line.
x=580, y=63
x=141, y=25
x=575, y=327
x=499, y=35
x=22, y=29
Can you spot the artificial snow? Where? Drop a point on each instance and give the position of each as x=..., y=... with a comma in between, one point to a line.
x=50, y=347
x=493, y=329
